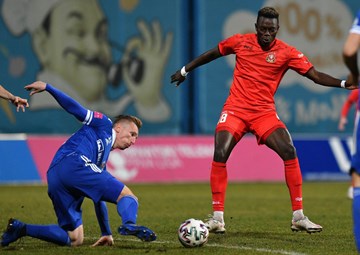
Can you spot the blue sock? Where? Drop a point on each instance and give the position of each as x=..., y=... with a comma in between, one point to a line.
x=356, y=216
x=49, y=233
x=127, y=208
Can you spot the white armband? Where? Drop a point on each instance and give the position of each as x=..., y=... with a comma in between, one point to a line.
x=183, y=72
x=342, y=84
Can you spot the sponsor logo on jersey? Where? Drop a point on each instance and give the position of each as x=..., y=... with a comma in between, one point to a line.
x=100, y=145
x=98, y=115
x=271, y=58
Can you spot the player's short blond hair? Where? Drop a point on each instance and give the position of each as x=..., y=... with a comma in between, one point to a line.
x=130, y=118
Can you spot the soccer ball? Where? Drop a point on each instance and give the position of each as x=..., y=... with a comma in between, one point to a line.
x=193, y=233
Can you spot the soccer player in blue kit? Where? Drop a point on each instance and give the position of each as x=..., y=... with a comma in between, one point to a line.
x=351, y=47
x=78, y=170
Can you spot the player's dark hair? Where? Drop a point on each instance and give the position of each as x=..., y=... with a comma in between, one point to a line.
x=268, y=12
x=130, y=118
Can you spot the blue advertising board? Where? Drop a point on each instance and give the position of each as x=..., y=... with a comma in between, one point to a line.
x=17, y=163
x=327, y=159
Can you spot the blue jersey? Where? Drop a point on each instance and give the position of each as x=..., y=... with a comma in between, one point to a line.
x=356, y=25
x=93, y=141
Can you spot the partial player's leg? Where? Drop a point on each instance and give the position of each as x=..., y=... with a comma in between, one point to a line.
x=229, y=130
x=50, y=233
x=280, y=141
x=356, y=208
x=355, y=175
x=224, y=144
x=63, y=202
x=127, y=208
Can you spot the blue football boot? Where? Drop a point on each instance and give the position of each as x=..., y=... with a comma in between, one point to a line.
x=14, y=230
x=141, y=232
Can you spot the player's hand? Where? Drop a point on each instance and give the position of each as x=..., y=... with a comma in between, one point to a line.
x=353, y=81
x=343, y=121
x=104, y=241
x=20, y=103
x=36, y=87
x=177, y=77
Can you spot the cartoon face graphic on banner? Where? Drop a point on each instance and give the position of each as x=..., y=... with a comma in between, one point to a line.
x=71, y=41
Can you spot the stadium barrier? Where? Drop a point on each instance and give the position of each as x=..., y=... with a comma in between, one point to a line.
x=166, y=159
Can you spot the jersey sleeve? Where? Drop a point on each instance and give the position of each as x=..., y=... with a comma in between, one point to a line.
x=299, y=62
x=66, y=102
x=84, y=115
x=226, y=46
x=356, y=24
x=350, y=101
x=96, y=119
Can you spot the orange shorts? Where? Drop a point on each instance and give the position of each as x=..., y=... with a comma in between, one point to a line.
x=260, y=124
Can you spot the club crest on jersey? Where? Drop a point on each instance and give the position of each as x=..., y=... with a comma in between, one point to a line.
x=271, y=58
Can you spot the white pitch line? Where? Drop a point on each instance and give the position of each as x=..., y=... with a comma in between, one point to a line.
x=234, y=247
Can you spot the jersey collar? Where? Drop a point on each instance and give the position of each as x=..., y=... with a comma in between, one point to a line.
x=113, y=137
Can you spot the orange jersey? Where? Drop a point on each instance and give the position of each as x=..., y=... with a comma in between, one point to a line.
x=257, y=72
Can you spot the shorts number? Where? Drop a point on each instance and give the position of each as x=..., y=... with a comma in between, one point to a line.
x=223, y=118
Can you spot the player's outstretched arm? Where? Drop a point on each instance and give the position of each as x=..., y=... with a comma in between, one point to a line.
x=15, y=100
x=351, y=47
x=351, y=100
x=329, y=81
x=66, y=102
x=180, y=75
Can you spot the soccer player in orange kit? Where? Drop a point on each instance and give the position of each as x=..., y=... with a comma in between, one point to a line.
x=261, y=62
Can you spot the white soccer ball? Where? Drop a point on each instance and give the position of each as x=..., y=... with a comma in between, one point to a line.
x=193, y=233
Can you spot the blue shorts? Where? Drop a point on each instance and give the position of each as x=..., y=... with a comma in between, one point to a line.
x=71, y=180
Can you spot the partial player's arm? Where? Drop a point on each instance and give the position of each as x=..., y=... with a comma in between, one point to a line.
x=351, y=47
x=350, y=101
x=204, y=58
x=329, y=81
x=66, y=102
x=15, y=100
x=103, y=220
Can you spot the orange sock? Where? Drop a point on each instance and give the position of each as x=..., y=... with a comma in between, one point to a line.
x=218, y=182
x=294, y=182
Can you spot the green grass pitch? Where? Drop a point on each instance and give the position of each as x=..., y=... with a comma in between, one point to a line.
x=257, y=220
